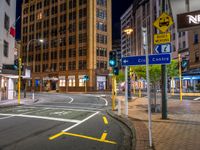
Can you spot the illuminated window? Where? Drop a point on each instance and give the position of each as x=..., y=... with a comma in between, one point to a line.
x=62, y=83
x=81, y=81
x=71, y=81
x=39, y=16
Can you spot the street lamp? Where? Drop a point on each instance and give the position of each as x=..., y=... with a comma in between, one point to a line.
x=28, y=45
x=128, y=32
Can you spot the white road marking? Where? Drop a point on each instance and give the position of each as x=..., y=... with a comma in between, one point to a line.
x=41, y=117
x=71, y=100
x=99, y=96
x=10, y=116
x=196, y=99
x=82, y=121
x=68, y=108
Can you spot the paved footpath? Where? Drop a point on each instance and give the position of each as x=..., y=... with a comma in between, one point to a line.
x=181, y=131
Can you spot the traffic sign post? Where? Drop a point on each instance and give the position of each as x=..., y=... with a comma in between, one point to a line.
x=141, y=60
x=162, y=38
x=163, y=22
x=163, y=48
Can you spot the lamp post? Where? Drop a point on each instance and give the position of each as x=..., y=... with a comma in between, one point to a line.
x=128, y=31
x=27, y=51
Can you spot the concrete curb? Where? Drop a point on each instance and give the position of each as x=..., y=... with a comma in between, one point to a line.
x=129, y=125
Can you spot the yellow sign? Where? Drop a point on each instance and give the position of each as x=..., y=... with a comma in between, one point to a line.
x=162, y=38
x=163, y=22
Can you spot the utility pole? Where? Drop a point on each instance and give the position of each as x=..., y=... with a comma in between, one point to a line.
x=180, y=77
x=164, y=81
x=145, y=46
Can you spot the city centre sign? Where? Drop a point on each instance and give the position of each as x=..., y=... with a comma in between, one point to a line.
x=187, y=21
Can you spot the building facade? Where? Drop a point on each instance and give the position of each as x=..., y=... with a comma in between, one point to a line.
x=77, y=40
x=7, y=47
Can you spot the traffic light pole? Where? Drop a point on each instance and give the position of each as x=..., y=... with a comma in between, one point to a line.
x=114, y=93
x=19, y=80
x=180, y=77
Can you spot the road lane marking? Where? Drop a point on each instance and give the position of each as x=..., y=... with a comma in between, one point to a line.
x=41, y=117
x=70, y=100
x=103, y=136
x=69, y=108
x=97, y=96
x=6, y=117
x=82, y=121
x=105, y=120
x=102, y=139
x=196, y=99
x=106, y=102
x=56, y=136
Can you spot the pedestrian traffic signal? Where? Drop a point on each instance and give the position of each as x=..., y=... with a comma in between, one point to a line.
x=112, y=59
x=184, y=64
x=16, y=64
x=85, y=78
x=116, y=71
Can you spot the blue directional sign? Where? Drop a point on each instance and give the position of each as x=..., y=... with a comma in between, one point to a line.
x=163, y=48
x=141, y=60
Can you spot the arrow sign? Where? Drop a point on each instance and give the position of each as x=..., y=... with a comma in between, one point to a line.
x=141, y=60
x=163, y=48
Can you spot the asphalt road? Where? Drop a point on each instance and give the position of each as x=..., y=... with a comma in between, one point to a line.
x=60, y=122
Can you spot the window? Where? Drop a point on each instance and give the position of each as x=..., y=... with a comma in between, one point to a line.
x=82, y=2
x=196, y=38
x=6, y=22
x=72, y=15
x=72, y=40
x=102, y=2
x=71, y=81
x=39, y=5
x=82, y=25
x=72, y=65
x=53, y=67
x=62, y=66
x=39, y=16
x=82, y=12
x=196, y=56
x=82, y=38
x=63, y=7
x=101, y=13
x=101, y=26
x=82, y=51
x=184, y=44
x=72, y=52
x=81, y=81
x=72, y=4
x=82, y=64
x=62, y=82
x=5, y=48
x=63, y=18
x=54, y=10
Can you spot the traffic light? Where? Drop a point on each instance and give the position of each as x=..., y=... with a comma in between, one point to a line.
x=16, y=64
x=85, y=78
x=184, y=64
x=112, y=59
x=116, y=71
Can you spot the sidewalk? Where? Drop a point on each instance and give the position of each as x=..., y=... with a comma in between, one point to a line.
x=181, y=131
x=14, y=102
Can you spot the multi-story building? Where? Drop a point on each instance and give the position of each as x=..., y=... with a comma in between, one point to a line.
x=144, y=13
x=7, y=45
x=77, y=40
x=126, y=40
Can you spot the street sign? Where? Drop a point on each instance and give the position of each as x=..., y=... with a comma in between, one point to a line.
x=163, y=48
x=141, y=60
x=162, y=38
x=163, y=22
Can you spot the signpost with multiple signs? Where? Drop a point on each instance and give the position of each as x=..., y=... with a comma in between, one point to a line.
x=163, y=48
x=162, y=38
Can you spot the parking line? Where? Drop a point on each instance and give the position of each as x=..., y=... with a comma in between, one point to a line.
x=65, y=130
x=105, y=120
x=102, y=139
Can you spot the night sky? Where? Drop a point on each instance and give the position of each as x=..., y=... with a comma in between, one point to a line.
x=118, y=8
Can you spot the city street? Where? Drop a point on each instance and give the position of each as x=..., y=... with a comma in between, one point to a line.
x=60, y=121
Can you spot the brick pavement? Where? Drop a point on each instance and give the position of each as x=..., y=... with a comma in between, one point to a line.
x=181, y=131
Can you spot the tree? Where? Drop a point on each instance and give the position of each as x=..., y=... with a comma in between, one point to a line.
x=121, y=76
x=172, y=71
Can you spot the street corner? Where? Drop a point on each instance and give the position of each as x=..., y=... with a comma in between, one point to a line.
x=129, y=140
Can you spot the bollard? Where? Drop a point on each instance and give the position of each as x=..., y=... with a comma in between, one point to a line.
x=119, y=107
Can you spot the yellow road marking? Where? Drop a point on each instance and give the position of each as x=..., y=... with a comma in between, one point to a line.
x=103, y=137
x=105, y=120
x=56, y=135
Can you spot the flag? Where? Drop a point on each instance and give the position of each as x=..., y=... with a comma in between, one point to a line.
x=12, y=28
x=12, y=31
